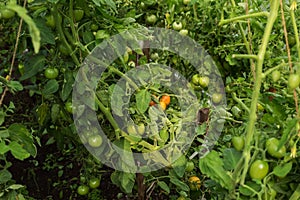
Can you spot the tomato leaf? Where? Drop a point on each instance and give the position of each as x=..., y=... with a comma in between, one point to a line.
x=179, y=165
x=291, y=124
x=47, y=36
x=3, y=148
x=181, y=185
x=50, y=87
x=230, y=158
x=283, y=170
x=17, y=151
x=20, y=134
x=143, y=98
x=42, y=113
x=5, y=176
x=212, y=166
x=163, y=186
x=246, y=191
x=68, y=85
x=117, y=101
x=33, y=30
x=32, y=66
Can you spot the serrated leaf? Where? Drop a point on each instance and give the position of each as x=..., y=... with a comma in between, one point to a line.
x=286, y=132
x=68, y=85
x=164, y=186
x=33, y=30
x=212, y=166
x=181, y=185
x=283, y=170
x=19, y=133
x=32, y=66
x=2, y=117
x=50, y=87
x=15, y=86
x=127, y=181
x=143, y=97
x=17, y=151
x=230, y=158
x=5, y=176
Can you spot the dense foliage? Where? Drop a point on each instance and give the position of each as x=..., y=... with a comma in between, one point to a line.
x=255, y=47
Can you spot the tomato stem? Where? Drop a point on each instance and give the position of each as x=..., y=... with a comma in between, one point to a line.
x=258, y=14
x=257, y=85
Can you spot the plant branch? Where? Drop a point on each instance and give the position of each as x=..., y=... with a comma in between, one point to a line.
x=259, y=14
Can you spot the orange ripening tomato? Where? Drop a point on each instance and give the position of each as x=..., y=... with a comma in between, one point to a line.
x=163, y=105
x=166, y=99
x=152, y=103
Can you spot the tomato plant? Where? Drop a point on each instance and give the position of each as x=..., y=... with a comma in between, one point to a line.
x=272, y=145
x=238, y=142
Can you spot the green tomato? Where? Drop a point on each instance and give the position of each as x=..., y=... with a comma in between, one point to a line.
x=154, y=56
x=203, y=81
x=186, y=2
x=95, y=141
x=94, y=183
x=78, y=14
x=238, y=142
x=101, y=34
x=63, y=49
x=7, y=13
x=141, y=128
x=151, y=19
x=83, y=190
x=51, y=73
x=272, y=148
x=189, y=166
x=217, y=98
x=293, y=81
x=184, y=32
x=177, y=26
x=131, y=129
x=50, y=21
x=275, y=75
x=195, y=79
x=69, y=107
x=259, y=169
x=94, y=27
x=131, y=63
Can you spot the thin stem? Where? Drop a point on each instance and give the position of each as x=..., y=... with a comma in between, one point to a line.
x=245, y=56
x=13, y=58
x=259, y=14
x=239, y=101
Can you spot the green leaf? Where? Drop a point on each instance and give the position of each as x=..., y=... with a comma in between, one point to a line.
x=68, y=85
x=42, y=113
x=47, y=36
x=15, y=86
x=17, y=151
x=212, y=166
x=181, y=185
x=246, y=191
x=127, y=181
x=5, y=176
x=283, y=170
x=230, y=158
x=50, y=87
x=32, y=66
x=33, y=30
x=20, y=134
x=55, y=112
x=291, y=124
x=143, y=97
x=4, y=133
x=15, y=186
x=2, y=117
x=179, y=166
x=3, y=148
x=117, y=101
x=163, y=186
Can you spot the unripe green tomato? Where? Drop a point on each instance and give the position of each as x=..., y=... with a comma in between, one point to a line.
x=7, y=13
x=184, y=32
x=293, y=81
x=94, y=27
x=69, y=107
x=50, y=21
x=238, y=143
x=126, y=57
x=131, y=129
x=186, y=2
x=51, y=73
x=83, y=190
x=272, y=148
x=177, y=26
x=141, y=128
x=260, y=107
x=95, y=140
x=217, y=98
x=259, y=169
x=195, y=79
x=131, y=64
x=275, y=75
x=101, y=34
x=204, y=81
x=189, y=166
x=154, y=56
x=78, y=14
x=151, y=19
x=94, y=183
